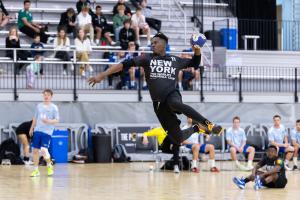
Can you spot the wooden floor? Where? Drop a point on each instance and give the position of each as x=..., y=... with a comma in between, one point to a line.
x=132, y=181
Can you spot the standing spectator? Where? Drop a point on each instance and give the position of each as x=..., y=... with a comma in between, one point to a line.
x=4, y=16
x=295, y=136
x=127, y=9
x=136, y=3
x=139, y=24
x=84, y=21
x=32, y=70
x=236, y=139
x=118, y=21
x=38, y=45
x=26, y=25
x=22, y=132
x=81, y=4
x=68, y=20
x=132, y=70
x=147, y=12
x=13, y=41
x=101, y=26
x=127, y=34
x=61, y=47
x=83, y=49
x=278, y=137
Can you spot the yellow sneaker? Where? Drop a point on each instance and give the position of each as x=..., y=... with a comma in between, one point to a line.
x=35, y=173
x=50, y=170
x=215, y=129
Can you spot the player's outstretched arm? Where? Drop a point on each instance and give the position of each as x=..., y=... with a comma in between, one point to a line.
x=101, y=76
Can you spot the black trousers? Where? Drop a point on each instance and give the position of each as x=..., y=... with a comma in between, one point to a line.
x=64, y=56
x=168, y=147
x=21, y=55
x=154, y=23
x=30, y=33
x=166, y=113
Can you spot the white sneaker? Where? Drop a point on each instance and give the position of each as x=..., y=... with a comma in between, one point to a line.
x=250, y=167
x=148, y=42
x=113, y=43
x=287, y=168
x=83, y=73
x=65, y=72
x=91, y=69
x=29, y=162
x=176, y=169
x=242, y=167
x=72, y=67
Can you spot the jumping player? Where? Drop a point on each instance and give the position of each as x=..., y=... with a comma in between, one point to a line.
x=274, y=177
x=161, y=72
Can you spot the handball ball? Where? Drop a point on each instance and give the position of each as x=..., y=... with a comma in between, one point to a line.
x=198, y=39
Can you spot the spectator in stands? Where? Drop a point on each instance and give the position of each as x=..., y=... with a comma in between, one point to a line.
x=32, y=70
x=83, y=49
x=136, y=3
x=115, y=58
x=101, y=27
x=68, y=20
x=127, y=34
x=61, y=47
x=118, y=21
x=139, y=24
x=186, y=76
x=126, y=7
x=81, y=4
x=13, y=41
x=147, y=12
x=278, y=137
x=295, y=136
x=26, y=25
x=4, y=16
x=193, y=143
x=37, y=45
x=236, y=139
x=22, y=132
x=84, y=21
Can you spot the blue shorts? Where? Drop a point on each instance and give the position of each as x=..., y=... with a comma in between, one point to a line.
x=40, y=139
x=281, y=150
x=245, y=149
x=201, y=150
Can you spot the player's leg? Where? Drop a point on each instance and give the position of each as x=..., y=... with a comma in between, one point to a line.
x=210, y=149
x=289, y=152
x=251, y=153
x=36, y=145
x=45, y=143
x=169, y=147
x=295, y=158
x=195, y=151
x=174, y=101
x=25, y=143
x=180, y=77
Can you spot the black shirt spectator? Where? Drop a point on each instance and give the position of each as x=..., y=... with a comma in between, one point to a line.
x=2, y=9
x=82, y=3
x=68, y=21
x=127, y=9
x=127, y=34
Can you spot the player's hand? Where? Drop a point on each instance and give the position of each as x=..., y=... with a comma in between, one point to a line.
x=145, y=141
x=31, y=132
x=252, y=177
x=286, y=145
x=240, y=150
x=45, y=121
x=96, y=79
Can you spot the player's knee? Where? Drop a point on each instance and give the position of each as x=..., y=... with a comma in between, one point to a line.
x=35, y=151
x=232, y=150
x=251, y=149
x=196, y=147
x=45, y=153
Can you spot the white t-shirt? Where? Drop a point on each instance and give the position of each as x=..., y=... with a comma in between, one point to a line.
x=138, y=21
x=277, y=134
x=62, y=46
x=83, y=46
x=83, y=20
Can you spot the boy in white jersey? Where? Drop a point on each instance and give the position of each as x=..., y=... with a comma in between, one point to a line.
x=278, y=137
x=295, y=135
x=236, y=139
x=46, y=115
x=193, y=143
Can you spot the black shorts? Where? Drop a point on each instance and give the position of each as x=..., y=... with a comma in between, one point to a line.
x=279, y=183
x=104, y=30
x=166, y=146
x=24, y=128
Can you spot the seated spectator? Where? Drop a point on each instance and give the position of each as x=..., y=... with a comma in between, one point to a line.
x=140, y=25
x=136, y=3
x=118, y=21
x=147, y=12
x=32, y=70
x=126, y=35
x=26, y=25
x=84, y=21
x=115, y=58
x=68, y=20
x=61, y=47
x=22, y=132
x=4, y=16
x=127, y=9
x=193, y=143
x=295, y=136
x=186, y=76
x=37, y=45
x=101, y=27
x=81, y=4
x=13, y=41
x=278, y=137
x=236, y=139
x=83, y=49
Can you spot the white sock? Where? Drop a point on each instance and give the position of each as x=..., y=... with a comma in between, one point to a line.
x=212, y=163
x=197, y=85
x=35, y=167
x=237, y=162
x=132, y=83
x=250, y=163
x=286, y=162
x=49, y=164
x=179, y=84
x=144, y=84
x=194, y=163
x=295, y=160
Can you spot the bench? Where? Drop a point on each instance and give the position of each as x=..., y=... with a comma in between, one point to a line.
x=190, y=4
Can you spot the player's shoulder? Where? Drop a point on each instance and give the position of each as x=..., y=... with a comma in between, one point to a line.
x=282, y=127
x=229, y=130
x=54, y=106
x=241, y=130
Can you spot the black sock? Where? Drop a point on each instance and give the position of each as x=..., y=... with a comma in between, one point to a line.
x=196, y=128
x=247, y=180
x=263, y=181
x=26, y=158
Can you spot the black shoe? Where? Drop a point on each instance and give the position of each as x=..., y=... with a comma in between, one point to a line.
x=215, y=129
x=295, y=168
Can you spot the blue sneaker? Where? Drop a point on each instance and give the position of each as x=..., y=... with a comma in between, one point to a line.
x=240, y=182
x=257, y=183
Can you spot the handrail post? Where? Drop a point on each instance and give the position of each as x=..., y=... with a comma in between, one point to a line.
x=15, y=75
x=296, y=86
x=240, y=88
x=75, y=96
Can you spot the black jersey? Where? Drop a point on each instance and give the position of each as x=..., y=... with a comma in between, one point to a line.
x=271, y=163
x=162, y=72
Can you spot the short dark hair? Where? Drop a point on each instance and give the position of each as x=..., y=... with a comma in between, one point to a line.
x=276, y=116
x=272, y=147
x=98, y=6
x=139, y=8
x=26, y=1
x=127, y=21
x=36, y=35
x=236, y=118
x=48, y=91
x=298, y=121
